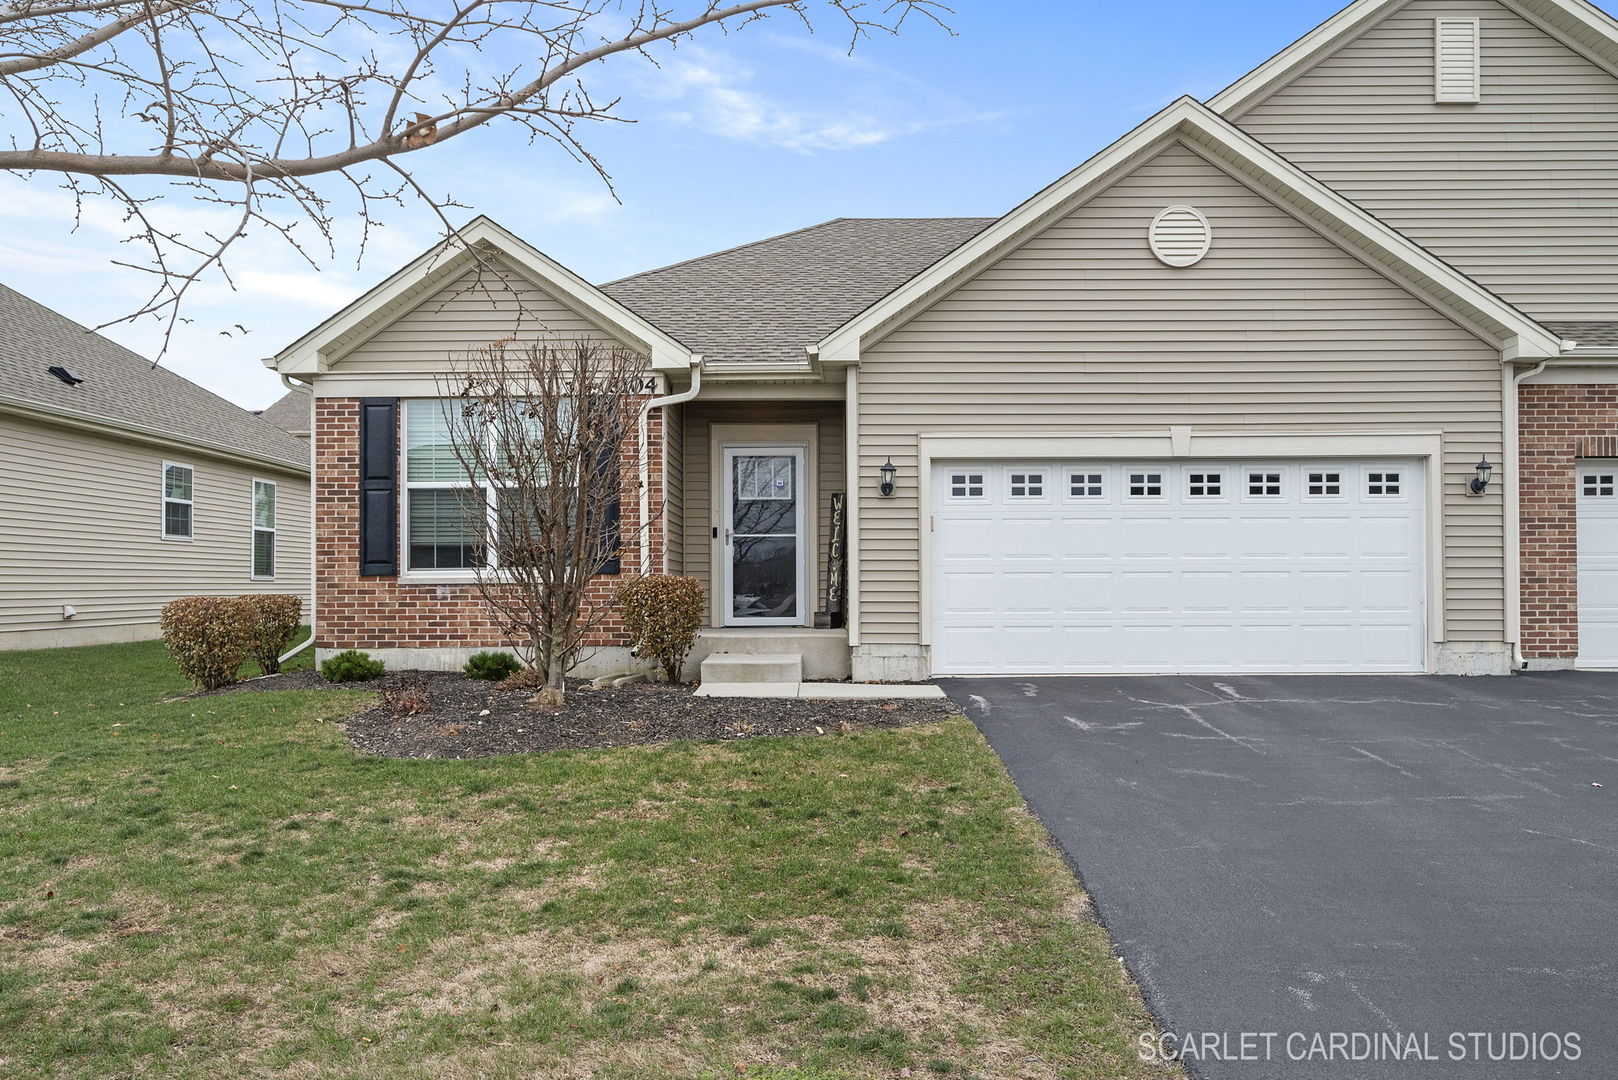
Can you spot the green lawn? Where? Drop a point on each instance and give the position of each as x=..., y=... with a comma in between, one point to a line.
x=222, y=887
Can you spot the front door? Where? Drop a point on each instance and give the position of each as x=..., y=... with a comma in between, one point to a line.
x=763, y=536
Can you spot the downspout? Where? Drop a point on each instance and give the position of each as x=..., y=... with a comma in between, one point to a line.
x=643, y=428
x=287, y=382
x=1513, y=511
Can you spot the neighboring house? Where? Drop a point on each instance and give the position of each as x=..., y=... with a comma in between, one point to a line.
x=1215, y=401
x=290, y=413
x=124, y=486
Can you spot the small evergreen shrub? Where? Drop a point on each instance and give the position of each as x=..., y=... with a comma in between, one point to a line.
x=209, y=637
x=351, y=665
x=493, y=666
x=277, y=617
x=662, y=614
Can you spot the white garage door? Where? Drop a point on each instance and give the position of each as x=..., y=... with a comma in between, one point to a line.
x=1598, y=564
x=1206, y=566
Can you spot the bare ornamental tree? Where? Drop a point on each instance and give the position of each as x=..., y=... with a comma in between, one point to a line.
x=539, y=430
x=247, y=104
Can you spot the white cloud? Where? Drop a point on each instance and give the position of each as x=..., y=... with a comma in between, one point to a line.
x=717, y=102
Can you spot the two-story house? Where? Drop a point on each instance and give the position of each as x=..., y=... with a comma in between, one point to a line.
x=1316, y=376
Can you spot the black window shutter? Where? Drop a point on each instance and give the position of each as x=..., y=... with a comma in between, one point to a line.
x=611, y=526
x=379, y=487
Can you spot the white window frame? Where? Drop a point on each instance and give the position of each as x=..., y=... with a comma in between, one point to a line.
x=1401, y=481
x=1033, y=476
x=1101, y=476
x=1165, y=482
x=1212, y=476
x=491, y=510
x=984, y=483
x=254, y=528
x=1345, y=481
x=164, y=500
x=1283, y=480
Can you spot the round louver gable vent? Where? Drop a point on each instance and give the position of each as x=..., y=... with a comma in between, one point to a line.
x=1180, y=236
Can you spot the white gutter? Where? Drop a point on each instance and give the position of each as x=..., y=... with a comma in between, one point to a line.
x=1513, y=509
x=286, y=381
x=643, y=433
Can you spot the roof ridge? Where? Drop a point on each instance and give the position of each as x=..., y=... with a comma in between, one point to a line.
x=782, y=236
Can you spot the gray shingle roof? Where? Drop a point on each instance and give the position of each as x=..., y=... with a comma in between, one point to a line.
x=1589, y=335
x=766, y=300
x=290, y=412
x=122, y=387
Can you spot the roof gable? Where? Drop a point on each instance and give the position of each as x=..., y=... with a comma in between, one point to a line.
x=1579, y=24
x=1466, y=302
x=442, y=264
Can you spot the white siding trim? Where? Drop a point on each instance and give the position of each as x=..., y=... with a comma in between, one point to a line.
x=1425, y=445
x=1457, y=60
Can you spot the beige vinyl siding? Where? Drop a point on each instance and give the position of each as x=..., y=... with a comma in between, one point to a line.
x=1081, y=330
x=1519, y=190
x=81, y=524
x=703, y=506
x=674, y=488
x=480, y=306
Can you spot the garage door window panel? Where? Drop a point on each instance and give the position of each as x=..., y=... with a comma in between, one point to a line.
x=968, y=486
x=1144, y=484
x=1264, y=482
x=1086, y=484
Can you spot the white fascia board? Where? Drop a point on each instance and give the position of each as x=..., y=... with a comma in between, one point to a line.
x=313, y=353
x=1516, y=333
x=842, y=346
x=1511, y=330
x=1274, y=73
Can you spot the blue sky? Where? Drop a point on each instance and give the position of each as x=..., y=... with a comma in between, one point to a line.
x=737, y=137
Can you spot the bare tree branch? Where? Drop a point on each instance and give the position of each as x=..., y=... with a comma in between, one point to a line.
x=541, y=431
x=247, y=104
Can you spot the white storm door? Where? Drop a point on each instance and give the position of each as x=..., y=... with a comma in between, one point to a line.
x=763, y=536
x=1598, y=564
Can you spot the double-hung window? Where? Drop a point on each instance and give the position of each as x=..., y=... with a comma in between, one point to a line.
x=446, y=513
x=178, y=486
x=263, y=529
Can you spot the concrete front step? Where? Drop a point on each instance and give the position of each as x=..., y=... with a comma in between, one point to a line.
x=721, y=668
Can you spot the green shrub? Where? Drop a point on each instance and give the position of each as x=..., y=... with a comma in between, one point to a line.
x=351, y=665
x=493, y=666
x=276, y=623
x=662, y=614
x=209, y=637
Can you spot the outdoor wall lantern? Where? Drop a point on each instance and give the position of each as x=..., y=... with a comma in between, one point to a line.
x=888, y=471
x=1480, y=483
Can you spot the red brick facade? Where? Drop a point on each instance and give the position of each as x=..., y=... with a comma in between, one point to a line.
x=1559, y=424
x=354, y=612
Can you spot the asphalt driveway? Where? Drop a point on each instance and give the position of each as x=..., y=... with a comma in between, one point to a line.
x=1403, y=861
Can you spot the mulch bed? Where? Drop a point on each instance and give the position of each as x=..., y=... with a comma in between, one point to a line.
x=468, y=718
